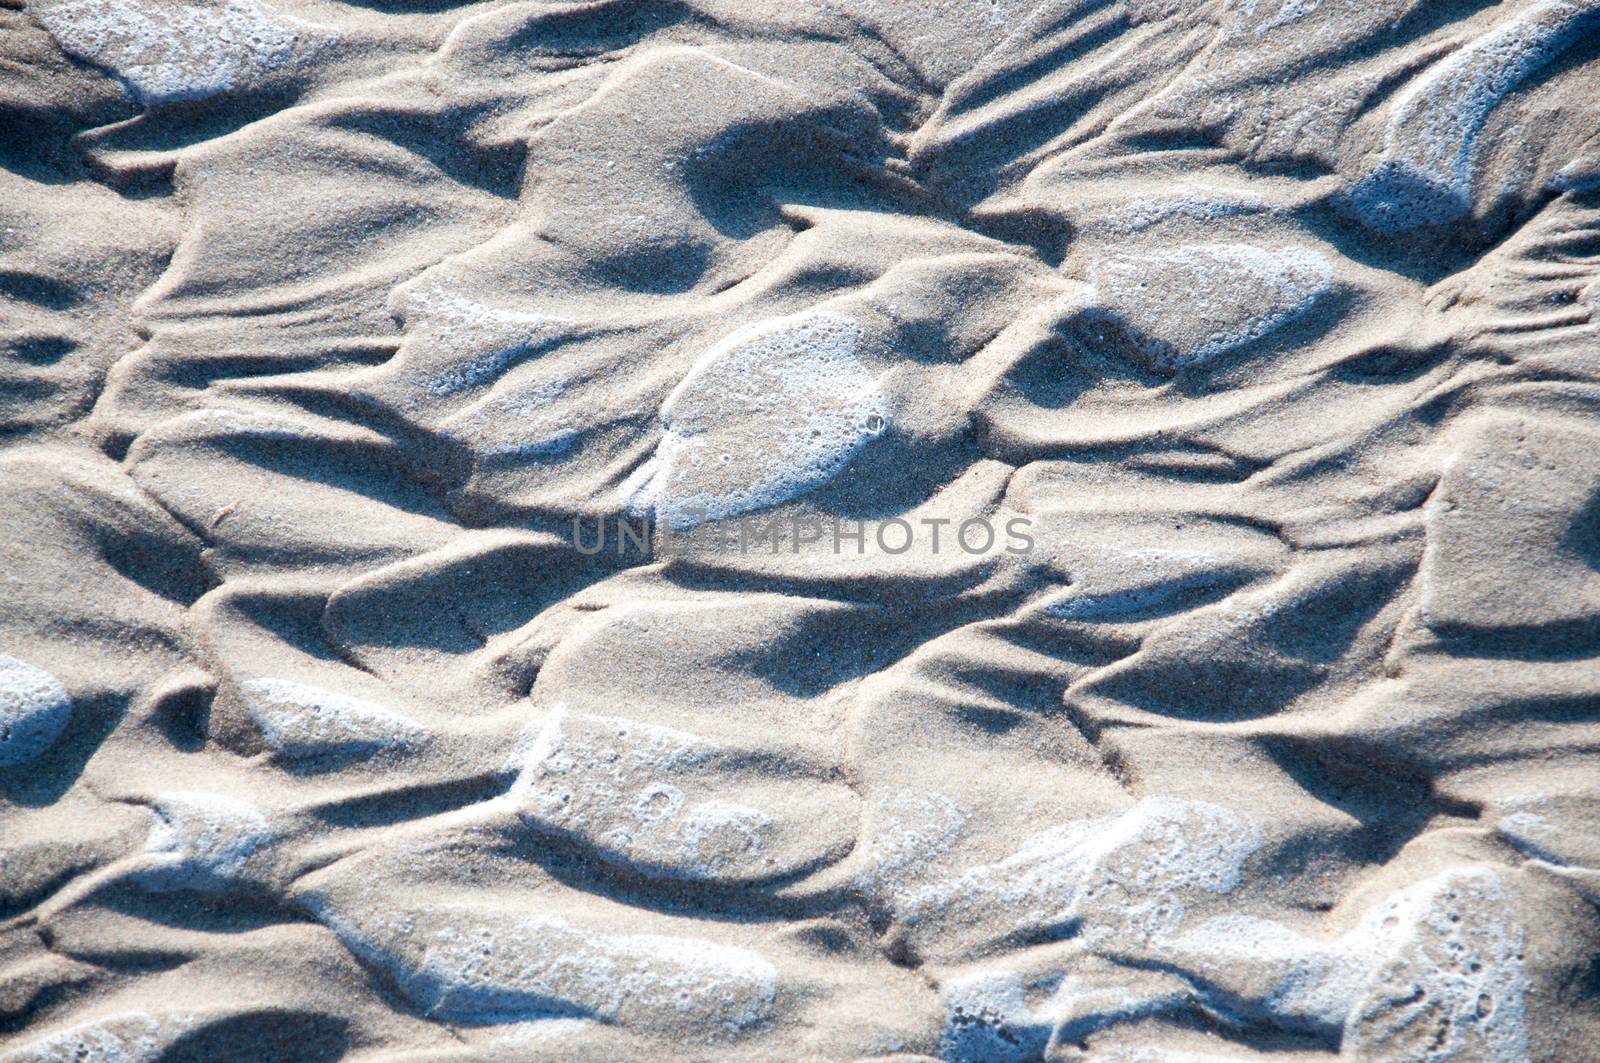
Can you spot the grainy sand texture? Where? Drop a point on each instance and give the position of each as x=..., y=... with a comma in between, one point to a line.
x=979, y=531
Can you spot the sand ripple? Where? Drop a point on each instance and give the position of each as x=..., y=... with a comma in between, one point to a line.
x=867, y=529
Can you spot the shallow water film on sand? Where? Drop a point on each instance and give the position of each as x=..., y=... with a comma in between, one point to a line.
x=978, y=531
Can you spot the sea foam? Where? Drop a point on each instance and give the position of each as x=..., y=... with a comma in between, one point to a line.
x=1185, y=306
x=639, y=794
x=169, y=51
x=203, y=841
x=774, y=410
x=481, y=965
x=301, y=721
x=1426, y=173
x=34, y=710
x=1433, y=974
x=130, y=1037
x=1122, y=877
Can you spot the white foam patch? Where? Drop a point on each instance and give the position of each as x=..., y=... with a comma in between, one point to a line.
x=988, y=1020
x=34, y=710
x=475, y=965
x=1167, y=1055
x=1432, y=975
x=250, y=424
x=1122, y=878
x=203, y=841
x=521, y=422
x=134, y=1037
x=1427, y=170
x=998, y=1017
x=1099, y=994
x=1289, y=12
x=1185, y=306
x=773, y=411
x=1531, y=834
x=997, y=1014
x=166, y=50
x=304, y=721
x=627, y=789
x=1143, y=577
x=457, y=343
x=1190, y=202
x=1259, y=18
x=1452, y=987
x=910, y=831
x=539, y=1031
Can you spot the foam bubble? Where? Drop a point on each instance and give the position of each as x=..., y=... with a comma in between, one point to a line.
x=165, y=51
x=1123, y=878
x=1450, y=985
x=774, y=410
x=202, y=841
x=1426, y=172
x=911, y=829
x=988, y=1020
x=34, y=710
x=133, y=1037
x=459, y=343
x=621, y=785
x=1185, y=306
x=305, y=721
x=1150, y=576
x=1190, y=202
x=475, y=965
x=1433, y=974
